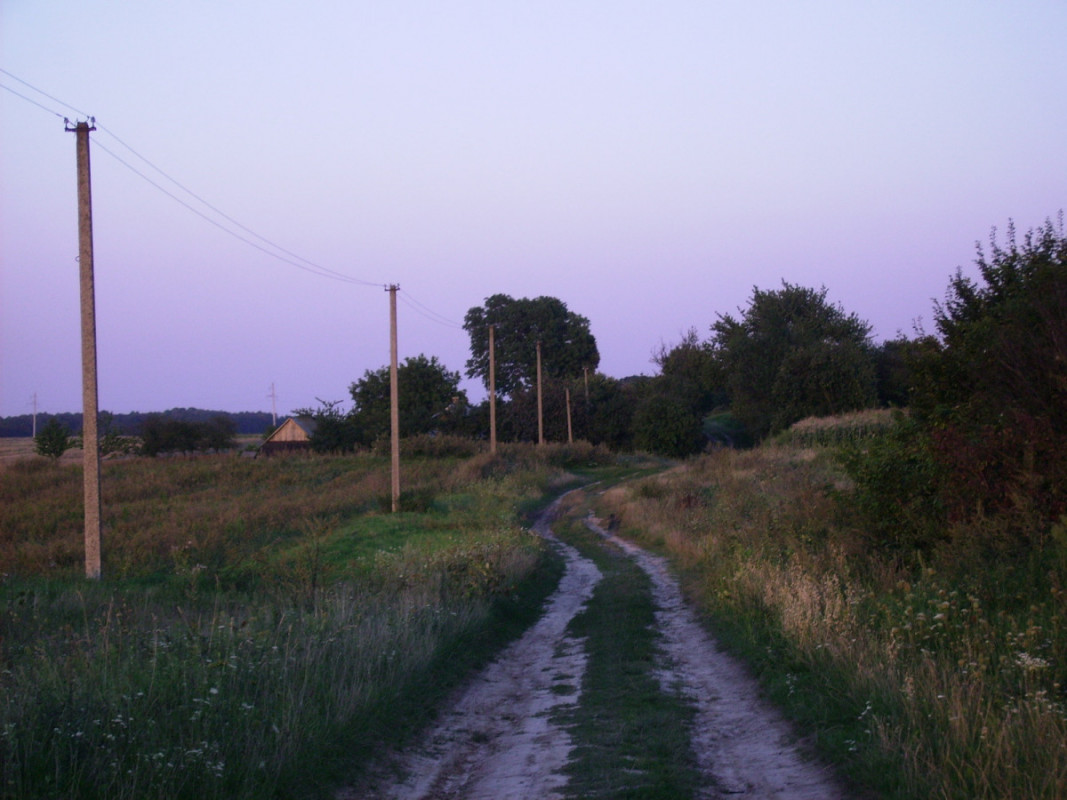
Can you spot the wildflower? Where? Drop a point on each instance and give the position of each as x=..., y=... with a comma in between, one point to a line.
x=1029, y=662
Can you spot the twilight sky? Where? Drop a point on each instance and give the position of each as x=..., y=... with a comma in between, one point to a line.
x=646, y=163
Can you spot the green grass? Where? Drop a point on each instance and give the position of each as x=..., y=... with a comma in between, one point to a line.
x=630, y=738
x=261, y=627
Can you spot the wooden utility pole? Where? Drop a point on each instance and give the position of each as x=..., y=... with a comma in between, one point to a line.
x=90, y=410
x=394, y=398
x=492, y=389
x=540, y=403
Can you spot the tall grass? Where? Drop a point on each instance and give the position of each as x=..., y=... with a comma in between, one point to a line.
x=924, y=679
x=261, y=627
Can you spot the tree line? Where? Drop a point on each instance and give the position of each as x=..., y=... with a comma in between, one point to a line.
x=130, y=424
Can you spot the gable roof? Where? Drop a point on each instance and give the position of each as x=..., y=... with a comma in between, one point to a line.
x=294, y=429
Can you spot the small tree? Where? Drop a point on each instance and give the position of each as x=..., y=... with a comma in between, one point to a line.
x=53, y=440
x=429, y=398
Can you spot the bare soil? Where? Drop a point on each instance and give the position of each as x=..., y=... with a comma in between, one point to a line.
x=496, y=739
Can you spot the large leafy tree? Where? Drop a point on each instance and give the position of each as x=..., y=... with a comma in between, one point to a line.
x=429, y=398
x=567, y=345
x=792, y=354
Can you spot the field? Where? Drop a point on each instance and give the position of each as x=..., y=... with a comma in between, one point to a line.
x=277, y=597
x=262, y=625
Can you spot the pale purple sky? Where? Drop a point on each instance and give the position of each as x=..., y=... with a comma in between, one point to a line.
x=646, y=163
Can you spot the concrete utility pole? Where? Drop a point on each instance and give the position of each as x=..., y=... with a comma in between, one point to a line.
x=394, y=397
x=90, y=409
x=492, y=389
x=273, y=406
x=540, y=403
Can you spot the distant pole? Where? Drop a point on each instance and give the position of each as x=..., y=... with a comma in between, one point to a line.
x=273, y=406
x=492, y=389
x=540, y=403
x=570, y=432
x=394, y=397
x=90, y=410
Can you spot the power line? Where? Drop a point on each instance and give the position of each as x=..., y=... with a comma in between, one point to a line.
x=289, y=257
x=427, y=312
x=31, y=100
x=316, y=268
x=42, y=93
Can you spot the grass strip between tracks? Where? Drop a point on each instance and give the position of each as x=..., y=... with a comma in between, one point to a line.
x=631, y=739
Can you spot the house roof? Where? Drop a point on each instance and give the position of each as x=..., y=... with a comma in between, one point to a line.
x=285, y=431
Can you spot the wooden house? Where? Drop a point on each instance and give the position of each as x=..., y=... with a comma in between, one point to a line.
x=293, y=435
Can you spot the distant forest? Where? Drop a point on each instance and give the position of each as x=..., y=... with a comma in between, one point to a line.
x=130, y=424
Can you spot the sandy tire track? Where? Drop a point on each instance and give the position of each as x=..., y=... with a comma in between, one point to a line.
x=743, y=746
x=497, y=740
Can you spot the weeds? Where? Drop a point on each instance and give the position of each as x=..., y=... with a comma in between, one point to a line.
x=938, y=676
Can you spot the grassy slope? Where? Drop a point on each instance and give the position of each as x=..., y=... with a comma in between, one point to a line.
x=937, y=679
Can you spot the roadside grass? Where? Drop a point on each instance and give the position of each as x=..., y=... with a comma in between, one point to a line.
x=631, y=738
x=261, y=626
x=937, y=677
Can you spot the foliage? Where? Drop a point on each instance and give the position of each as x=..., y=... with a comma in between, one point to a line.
x=667, y=426
x=690, y=372
x=567, y=345
x=129, y=424
x=334, y=431
x=992, y=390
x=791, y=355
x=428, y=399
x=53, y=440
x=608, y=418
x=160, y=434
x=897, y=486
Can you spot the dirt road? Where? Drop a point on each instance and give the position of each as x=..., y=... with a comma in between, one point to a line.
x=497, y=740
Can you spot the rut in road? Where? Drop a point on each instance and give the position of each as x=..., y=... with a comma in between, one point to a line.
x=497, y=740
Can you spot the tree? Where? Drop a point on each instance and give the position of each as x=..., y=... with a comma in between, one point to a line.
x=690, y=372
x=992, y=388
x=567, y=345
x=53, y=440
x=792, y=354
x=667, y=426
x=335, y=431
x=429, y=399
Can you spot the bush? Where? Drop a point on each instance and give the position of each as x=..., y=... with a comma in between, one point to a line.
x=897, y=487
x=53, y=440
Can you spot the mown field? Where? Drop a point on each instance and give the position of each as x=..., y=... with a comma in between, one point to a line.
x=262, y=625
